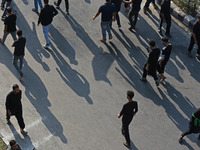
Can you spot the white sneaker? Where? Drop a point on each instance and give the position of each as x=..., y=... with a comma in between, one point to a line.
x=46, y=46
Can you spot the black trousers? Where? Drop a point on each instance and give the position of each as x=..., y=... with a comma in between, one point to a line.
x=148, y=3
x=192, y=45
x=161, y=68
x=152, y=72
x=130, y=17
x=125, y=132
x=168, y=22
x=117, y=19
x=19, y=118
x=66, y=4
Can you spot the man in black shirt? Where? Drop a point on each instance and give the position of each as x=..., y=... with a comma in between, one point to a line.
x=128, y=111
x=195, y=38
x=10, y=26
x=151, y=64
x=163, y=59
x=165, y=16
x=133, y=12
x=19, y=52
x=46, y=17
x=14, y=107
x=66, y=5
x=194, y=125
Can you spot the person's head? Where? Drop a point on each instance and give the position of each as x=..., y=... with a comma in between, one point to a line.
x=19, y=33
x=46, y=1
x=152, y=43
x=198, y=17
x=13, y=145
x=130, y=95
x=15, y=88
x=9, y=10
x=164, y=40
x=108, y=1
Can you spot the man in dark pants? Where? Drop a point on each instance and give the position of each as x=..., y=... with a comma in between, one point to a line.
x=14, y=107
x=133, y=12
x=151, y=64
x=165, y=16
x=128, y=111
x=117, y=4
x=126, y=6
x=195, y=38
x=146, y=6
x=194, y=125
x=19, y=52
x=163, y=59
x=66, y=5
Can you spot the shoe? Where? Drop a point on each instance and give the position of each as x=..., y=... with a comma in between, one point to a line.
x=155, y=6
x=119, y=26
x=67, y=12
x=23, y=132
x=189, y=54
x=34, y=10
x=110, y=37
x=101, y=39
x=180, y=138
x=8, y=122
x=131, y=28
x=21, y=76
x=143, y=79
x=57, y=7
x=198, y=57
x=157, y=83
x=46, y=46
x=162, y=79
x=1, y=41
x=126, y=9
x=126, y=144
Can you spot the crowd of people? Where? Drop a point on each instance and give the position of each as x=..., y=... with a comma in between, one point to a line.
x=156, y=62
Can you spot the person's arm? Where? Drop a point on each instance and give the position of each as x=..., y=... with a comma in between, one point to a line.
x=55, y=12
x=114, y=16
x=136, y=108
x=8, y=105
x=127, y=2
x=40, y=17
x=121, y=113
x=97, y=14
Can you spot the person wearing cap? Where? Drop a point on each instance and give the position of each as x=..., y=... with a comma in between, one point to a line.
x=194, y=125
x=164, y=57
x=195, y=38
x=128, y=111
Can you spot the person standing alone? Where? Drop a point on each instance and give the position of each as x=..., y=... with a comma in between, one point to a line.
x=19, y=52
x=128, y=111
x=14, y=107
x=108, y=14
x=45, y=18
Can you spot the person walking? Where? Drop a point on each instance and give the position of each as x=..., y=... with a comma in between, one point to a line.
x=19, y=52
x=57, y=4
x=128, y=111
x=36, y=3
x=9, y=26
x=133, y=12
x=194, y=125
x=108, y=14
x=163, y=59
x=151, y=64
x=165, y=16
x=45, y=18
x=195, y=38
x=146, y=6
x=14, y=107
x=117, y=4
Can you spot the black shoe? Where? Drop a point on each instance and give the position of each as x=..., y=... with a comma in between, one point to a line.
x=180, y=138
x=127, y=145
x=157, y=83
x=8, y=122
x=119, y=26
x=143, y=79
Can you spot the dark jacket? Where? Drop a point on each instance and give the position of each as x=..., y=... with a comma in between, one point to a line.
x=13, y=102
x=46, y=15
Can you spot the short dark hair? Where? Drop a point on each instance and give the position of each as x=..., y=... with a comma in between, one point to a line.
x=15, y=86
x=19, y=32
x=9, y=9
x=165, y=39
x=12, y=142
x=130, y=94
x=152, y=43
x=46, y=1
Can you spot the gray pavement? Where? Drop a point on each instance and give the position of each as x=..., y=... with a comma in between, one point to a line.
x=73, y=92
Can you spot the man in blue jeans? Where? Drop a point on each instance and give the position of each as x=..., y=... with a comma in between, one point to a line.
x=19, y=52
x=45, y=18
x=108, y=13
x=36, y=2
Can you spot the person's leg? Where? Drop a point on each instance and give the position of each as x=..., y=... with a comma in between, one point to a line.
x=118, y=19
x=36, y=5
x=4, y=37
x=67, y=5
x=147, y=4
x=46, y=31
x=135, y=20
x=103, y=29
x=58, y=2
x=3, y=4
x=126, y=134
x=198, y=49
x=153, y=2
x=108, y=30
x=40, y=3
x=21, y=61
x=15, y=60
x=20, y=120
x=160, y=25
x=144, y=75
x=13, y=34
x=191, y=44
x=130, y=17
x=153, y=73
x=168, y=21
